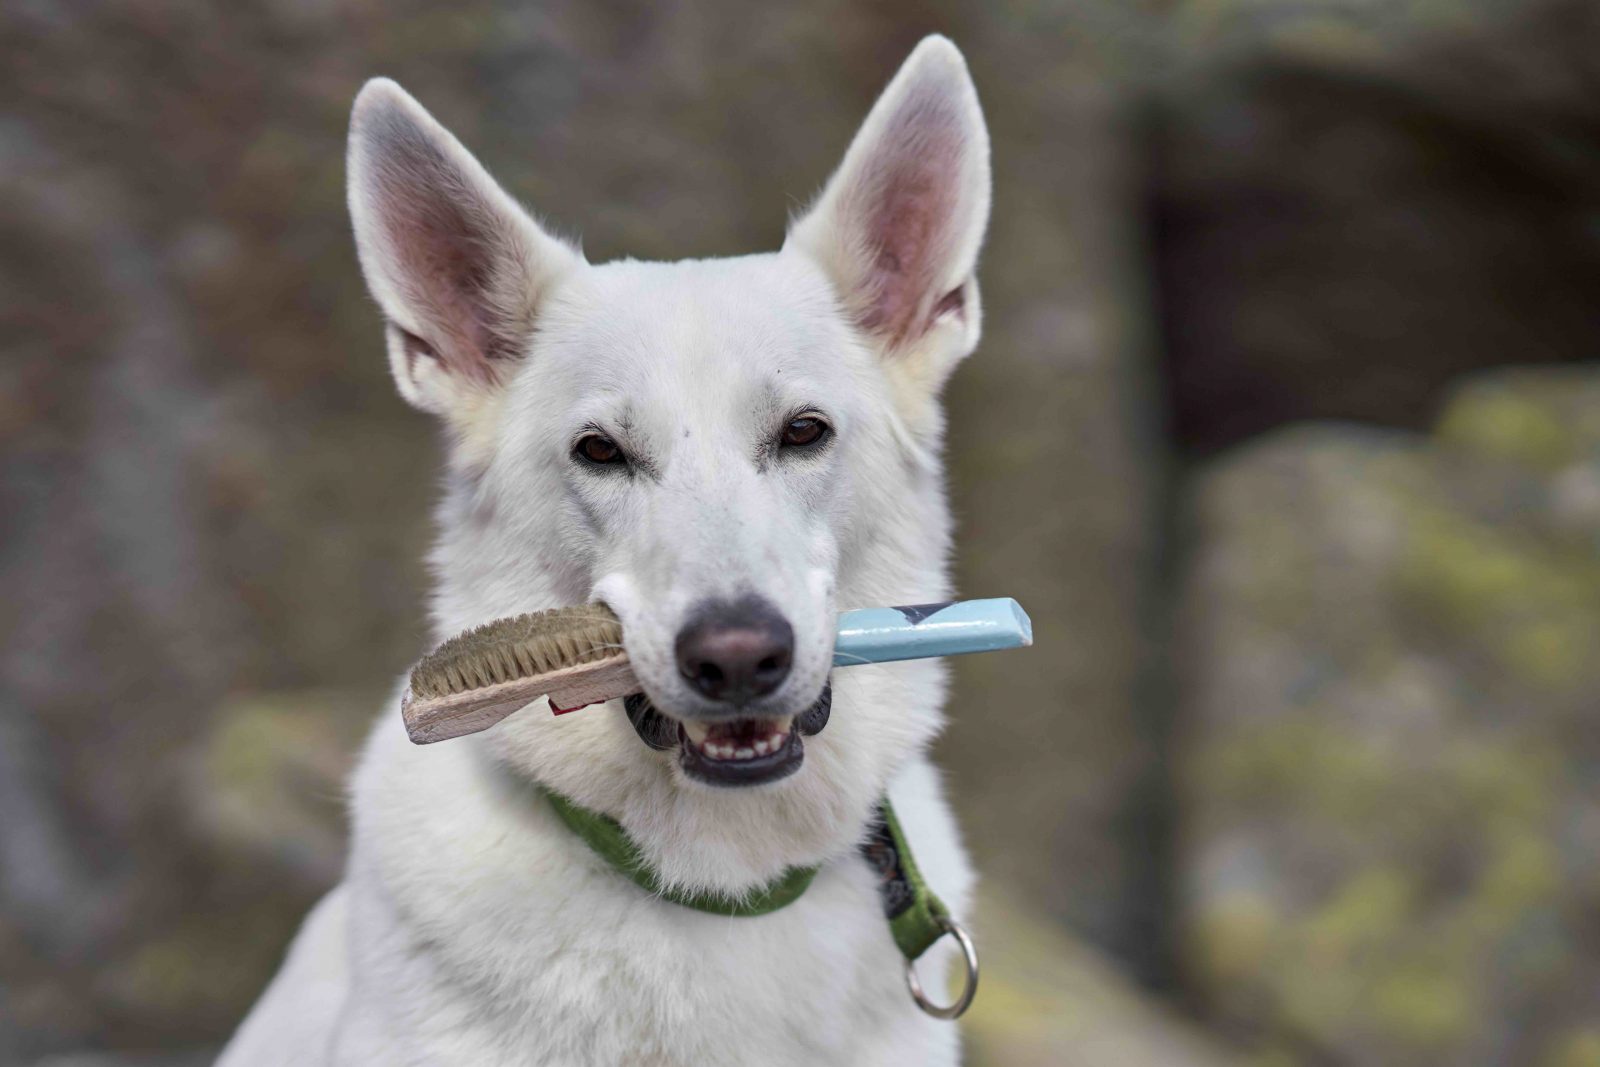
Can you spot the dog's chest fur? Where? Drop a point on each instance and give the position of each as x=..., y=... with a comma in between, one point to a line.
x=484, y=932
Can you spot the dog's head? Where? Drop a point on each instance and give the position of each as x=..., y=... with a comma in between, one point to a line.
x=727, y=452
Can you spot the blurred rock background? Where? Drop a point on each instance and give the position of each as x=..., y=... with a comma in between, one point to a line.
x=1305, y=770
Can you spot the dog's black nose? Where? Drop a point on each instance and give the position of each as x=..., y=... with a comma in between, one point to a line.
x=736, y=651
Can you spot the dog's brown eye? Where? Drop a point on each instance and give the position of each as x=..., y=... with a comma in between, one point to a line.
x=597, y=449
x=806, y=430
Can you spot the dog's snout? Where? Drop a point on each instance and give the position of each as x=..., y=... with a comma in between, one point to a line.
x=736, y=652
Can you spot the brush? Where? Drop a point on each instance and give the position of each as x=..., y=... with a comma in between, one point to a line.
x=574, y=656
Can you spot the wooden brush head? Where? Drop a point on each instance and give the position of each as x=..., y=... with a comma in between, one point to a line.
x=475, y=679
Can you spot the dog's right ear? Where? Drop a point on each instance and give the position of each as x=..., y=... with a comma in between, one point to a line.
x=458, y=267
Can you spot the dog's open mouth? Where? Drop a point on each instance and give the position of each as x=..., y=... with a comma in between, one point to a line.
x=732, y=752
x=740, y=751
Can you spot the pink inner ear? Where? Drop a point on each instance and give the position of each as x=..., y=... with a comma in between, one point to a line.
x=910, y=202
x=444, y=245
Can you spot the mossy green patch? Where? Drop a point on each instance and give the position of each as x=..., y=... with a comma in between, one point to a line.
x=1579, y=1048
x=1234, y=938
x=1425, y=1007
x=1305, y=764
x=1533, y=609
x=1365, y=914
x=1504, y=424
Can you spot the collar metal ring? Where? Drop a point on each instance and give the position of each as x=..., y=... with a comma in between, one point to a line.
x=969, y=953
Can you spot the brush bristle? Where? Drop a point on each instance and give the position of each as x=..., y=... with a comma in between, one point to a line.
x=520, y=647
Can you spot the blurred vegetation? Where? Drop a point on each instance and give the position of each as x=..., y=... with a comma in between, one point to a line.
x=1392, y=748
x=1303, y=771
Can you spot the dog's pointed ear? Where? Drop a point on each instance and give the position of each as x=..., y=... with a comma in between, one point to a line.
x=898, y=227
x=457, y=266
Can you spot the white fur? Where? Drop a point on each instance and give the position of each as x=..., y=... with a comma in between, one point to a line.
x=472, y=927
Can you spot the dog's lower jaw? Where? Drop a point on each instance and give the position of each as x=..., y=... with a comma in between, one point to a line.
x=783, y=760
x=712, y=764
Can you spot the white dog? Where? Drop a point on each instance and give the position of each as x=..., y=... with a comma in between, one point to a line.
x=727, y=452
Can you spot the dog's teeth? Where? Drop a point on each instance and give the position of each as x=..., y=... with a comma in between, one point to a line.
x=738, y=741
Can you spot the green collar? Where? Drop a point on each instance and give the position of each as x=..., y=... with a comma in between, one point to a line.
x=917, y=918
x=611, y=842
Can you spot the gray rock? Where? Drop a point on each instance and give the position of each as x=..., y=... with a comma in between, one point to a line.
x=1389, y=768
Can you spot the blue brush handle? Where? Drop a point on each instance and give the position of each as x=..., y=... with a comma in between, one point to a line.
x=922, y=631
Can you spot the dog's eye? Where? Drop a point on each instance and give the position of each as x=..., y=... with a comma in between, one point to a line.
x=803, y=432
x=595, y=448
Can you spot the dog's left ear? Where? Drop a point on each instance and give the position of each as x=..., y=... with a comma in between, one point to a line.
x=898, y=227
